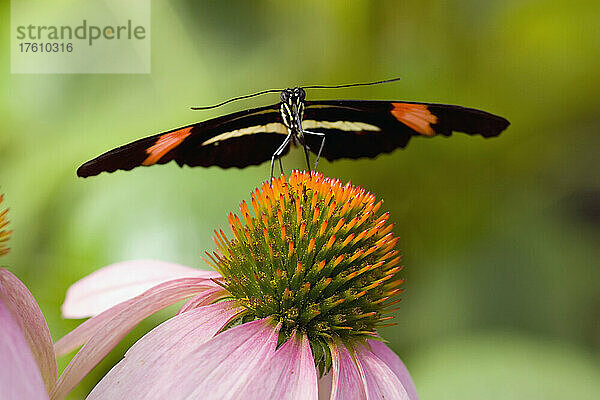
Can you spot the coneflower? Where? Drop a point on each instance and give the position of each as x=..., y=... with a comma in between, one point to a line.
x=4, y=233
x=27, y=361
x=309, y=274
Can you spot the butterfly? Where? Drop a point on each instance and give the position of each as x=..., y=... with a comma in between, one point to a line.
x=332, y=129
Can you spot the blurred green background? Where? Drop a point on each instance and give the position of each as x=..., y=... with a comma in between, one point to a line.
x=500, y=236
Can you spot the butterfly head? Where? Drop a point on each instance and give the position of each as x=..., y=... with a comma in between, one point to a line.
x=294, y=95
x=292, y=107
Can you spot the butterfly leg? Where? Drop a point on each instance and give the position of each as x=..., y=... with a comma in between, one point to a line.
x=322, y=135
x=278, y=153
x=305, y=147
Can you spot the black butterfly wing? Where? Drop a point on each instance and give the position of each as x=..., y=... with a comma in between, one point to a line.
x=359, y=128
x=240, y=139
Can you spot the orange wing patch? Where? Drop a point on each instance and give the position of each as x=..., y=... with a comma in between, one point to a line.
x=415, y=116
x=164, y=144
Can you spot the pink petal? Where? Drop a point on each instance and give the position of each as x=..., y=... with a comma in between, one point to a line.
x=207, y=297
x=28, y=315
x=19, y=374
x=225, y=367
x=386, y=355
x=118, y=282
x=382, y=383
x=115, y=324
x=348, y=380
x=184, y=333
x=325, y=386
x=87, y=329
x=290, y=374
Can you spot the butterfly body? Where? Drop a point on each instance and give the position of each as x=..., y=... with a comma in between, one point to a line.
x=332, y=129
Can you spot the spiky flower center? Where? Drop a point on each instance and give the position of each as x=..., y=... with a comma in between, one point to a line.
x=4, y=234
x=317, y=256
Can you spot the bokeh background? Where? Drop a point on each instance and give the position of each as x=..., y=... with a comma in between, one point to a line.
x=500, y=236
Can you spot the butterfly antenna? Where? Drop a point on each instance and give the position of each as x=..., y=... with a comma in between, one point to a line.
x=350, y=85
x=237, y=98
x=303, y=87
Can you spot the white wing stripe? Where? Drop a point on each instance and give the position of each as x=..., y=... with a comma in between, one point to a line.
x=340, y=125
x=278, y=127
x=273, y=127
